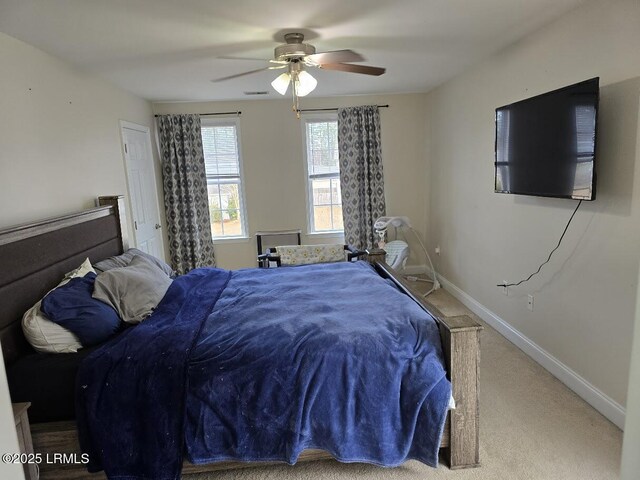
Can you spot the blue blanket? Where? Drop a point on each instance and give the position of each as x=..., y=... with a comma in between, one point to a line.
x=130, y=392
x=321, y=356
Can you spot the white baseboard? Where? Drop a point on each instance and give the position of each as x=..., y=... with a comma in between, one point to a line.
x=590, y=394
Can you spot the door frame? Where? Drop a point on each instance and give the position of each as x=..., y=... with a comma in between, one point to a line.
x=146, y=130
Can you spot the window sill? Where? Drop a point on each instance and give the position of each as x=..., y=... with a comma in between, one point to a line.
x=330, y=233
x=231, y=240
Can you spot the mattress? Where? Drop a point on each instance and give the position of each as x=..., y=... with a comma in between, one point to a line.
x=47, y=380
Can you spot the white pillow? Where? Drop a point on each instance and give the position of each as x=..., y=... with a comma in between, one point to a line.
x=46, y=336
x=81, y=271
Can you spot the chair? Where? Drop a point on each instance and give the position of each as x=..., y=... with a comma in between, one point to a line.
x=273, y=238
x=292, y=255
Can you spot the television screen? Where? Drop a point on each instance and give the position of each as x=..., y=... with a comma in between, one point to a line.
x=545, y=145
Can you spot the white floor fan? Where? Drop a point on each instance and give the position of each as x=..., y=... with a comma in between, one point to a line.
x=398, y=250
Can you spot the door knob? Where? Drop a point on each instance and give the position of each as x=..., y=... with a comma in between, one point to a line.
x=158, y=226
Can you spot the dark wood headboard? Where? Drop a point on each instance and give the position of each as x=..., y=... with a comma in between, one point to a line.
x=34, y=257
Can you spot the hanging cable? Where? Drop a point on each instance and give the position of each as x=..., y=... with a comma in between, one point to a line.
x=548, y=258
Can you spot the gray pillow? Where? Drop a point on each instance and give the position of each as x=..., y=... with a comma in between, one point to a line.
x=125, y=259
x=133, y=291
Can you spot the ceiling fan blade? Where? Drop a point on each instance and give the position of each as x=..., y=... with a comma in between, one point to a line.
x=231, y=57
x=242, y=74
x=334, y=56
x=346, y=67
x=227, y=57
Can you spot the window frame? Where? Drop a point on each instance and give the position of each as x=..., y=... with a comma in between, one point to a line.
x=306, y=119
x=242, y=208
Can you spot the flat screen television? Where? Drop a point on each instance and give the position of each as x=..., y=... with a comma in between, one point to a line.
x=546, y=145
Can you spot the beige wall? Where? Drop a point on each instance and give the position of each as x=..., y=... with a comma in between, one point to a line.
x=631, y=446
x=59, y=135
x=272, y=151
x=59, y=148
x=585, y=297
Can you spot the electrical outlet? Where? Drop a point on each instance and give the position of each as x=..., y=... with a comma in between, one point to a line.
x=505, y=289
x=438, y=250
x=530, y=303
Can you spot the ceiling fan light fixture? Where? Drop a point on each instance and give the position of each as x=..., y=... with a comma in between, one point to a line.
x=305, y=83
x=281, y=83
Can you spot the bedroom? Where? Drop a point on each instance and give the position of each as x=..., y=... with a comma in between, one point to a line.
x=63, y=123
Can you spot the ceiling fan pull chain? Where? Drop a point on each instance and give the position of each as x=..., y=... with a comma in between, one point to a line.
x=294, y=97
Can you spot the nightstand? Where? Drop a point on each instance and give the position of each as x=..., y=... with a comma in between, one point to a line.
x=24, y=438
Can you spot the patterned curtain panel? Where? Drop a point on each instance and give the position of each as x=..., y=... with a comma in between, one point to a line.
x=361, y=179
x=186, y=199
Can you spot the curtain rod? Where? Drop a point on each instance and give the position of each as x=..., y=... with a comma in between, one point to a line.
x=238, y=113
x=331, y=109
x=301, y=110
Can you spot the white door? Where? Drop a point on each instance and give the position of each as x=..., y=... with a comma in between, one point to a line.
x=141, y=181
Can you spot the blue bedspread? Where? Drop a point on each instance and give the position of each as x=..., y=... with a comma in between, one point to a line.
x=130, y=392
x=321, y=356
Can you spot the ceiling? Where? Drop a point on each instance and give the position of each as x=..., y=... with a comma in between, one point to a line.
x=169, y=50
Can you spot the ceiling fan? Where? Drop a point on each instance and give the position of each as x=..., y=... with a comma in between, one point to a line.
x=295, y=56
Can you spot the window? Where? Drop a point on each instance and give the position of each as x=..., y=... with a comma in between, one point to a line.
x=323, y=175
x=503, y=161
x=224, y=178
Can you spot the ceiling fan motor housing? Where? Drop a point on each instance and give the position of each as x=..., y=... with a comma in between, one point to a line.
x=294, y=47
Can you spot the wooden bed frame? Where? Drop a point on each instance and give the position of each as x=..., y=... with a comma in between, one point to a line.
x=35, y=257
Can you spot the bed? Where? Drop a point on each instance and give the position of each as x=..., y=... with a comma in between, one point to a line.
x=37, y=255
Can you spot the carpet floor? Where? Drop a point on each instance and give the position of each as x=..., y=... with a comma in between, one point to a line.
x=532, y=427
